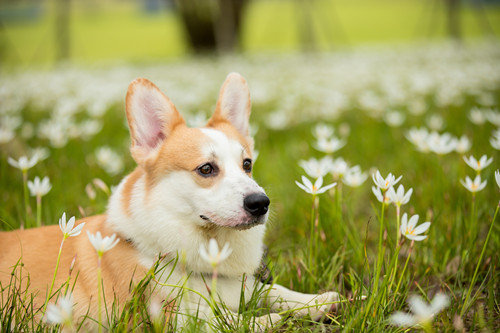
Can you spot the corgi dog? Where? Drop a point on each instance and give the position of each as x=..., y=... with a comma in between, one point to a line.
x=191, y=185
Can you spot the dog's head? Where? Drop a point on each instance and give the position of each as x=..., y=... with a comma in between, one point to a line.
x=197, y=175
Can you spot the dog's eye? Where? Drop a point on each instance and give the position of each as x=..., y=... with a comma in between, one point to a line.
x=247, y=165
x=206, y=169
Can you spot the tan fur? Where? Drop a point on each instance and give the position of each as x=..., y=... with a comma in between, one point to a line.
x=40, y=247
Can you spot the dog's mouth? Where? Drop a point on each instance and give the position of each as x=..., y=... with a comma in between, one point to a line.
x=238, y=226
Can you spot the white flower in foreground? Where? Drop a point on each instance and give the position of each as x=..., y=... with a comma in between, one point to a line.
x=497, y=177
x=381, y=197
x=329, y=146
x=354, y=177
x=101, y=244
x=385, y=183
x=463, y=145
x=39, y=188
x=423, y=313
x=315, y=188
x=213, y=256
x=399, y=197
x=62, y=312
x=409, y=230
x=317, y=168
x=480, y=164
x=473, y=185
x=67, y=228
x=23, y=163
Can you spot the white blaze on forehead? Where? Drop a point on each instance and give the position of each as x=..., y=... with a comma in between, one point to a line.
x=222, y=148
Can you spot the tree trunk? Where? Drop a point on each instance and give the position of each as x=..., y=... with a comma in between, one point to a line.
x=212, y=25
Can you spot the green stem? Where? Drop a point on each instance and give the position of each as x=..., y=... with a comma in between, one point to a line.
x=213, y=290
x=38, y=211
x=99, y=291
x=55, y=273
x=469, y=291
x=404, y=269
x=380, y=251
x=311, y=238
x=398, y=247
x=26, y=200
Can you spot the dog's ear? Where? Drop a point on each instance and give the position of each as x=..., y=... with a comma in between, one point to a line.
x=151, y=117
x=233, y=104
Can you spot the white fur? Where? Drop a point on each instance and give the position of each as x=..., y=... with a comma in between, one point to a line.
x=165, y=219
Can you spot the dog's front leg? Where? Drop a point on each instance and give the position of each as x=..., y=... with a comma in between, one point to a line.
x=280, y=299
x=190, y=311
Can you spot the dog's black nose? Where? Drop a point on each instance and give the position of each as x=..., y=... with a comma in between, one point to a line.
x=256, y=204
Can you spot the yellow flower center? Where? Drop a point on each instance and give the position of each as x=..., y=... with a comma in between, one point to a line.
x=314, y=189
x=410, y=231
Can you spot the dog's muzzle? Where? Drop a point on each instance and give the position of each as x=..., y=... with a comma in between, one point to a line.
x=257, y=204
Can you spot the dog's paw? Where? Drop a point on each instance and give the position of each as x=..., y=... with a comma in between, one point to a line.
x=318, y=305
x=264, y=323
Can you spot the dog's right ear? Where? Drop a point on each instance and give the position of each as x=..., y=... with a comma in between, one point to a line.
x=151, y=117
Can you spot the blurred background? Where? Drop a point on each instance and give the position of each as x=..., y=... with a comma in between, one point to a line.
x=46, y=32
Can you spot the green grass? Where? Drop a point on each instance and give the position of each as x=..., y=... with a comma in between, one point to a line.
x=345, y=259
x=111, y=31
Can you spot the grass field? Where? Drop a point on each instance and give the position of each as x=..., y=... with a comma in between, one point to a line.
x=111, y=31
x=372, y=98
x=400, y=103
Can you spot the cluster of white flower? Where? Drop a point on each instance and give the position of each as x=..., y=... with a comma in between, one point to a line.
x=414, y=80
x=434, y=142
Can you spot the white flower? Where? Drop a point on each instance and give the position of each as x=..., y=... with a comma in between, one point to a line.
x=39, y=188
x=418, y=136
x=409, y=230
x=317, y=168
x=62, y=312
x=307, y=186
x=67, y=228
x=463, y=145
x=339, y=168
x=441, y=144
x=385, y=183
x=399, y=197
x=435, y=122
x=354, y=177
x=473, y=186
x=23, y=163
x=495, y=139
x=329, y=146
x=6, y=134
x=480, y=164
x=381, y=197
x=323, y=131
x=493, y=117
x=497, y=177
x=477, y=116
x=394, y=118
x=423, y=313
x=101, y=244
x=41, y=153
x=109, y=160
x=213, y=256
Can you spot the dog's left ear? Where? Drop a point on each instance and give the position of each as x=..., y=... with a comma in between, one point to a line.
x=233, y=104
